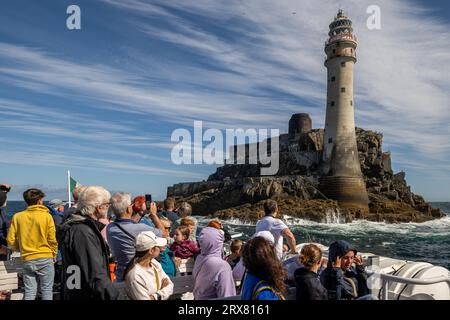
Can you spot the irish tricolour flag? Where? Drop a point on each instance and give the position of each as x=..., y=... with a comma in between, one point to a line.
x=71, y=185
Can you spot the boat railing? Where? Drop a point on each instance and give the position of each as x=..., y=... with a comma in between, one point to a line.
x=386, y=279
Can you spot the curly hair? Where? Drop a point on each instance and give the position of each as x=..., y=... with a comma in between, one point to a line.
x=261, y=260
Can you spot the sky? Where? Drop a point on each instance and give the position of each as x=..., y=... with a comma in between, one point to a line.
x=103, y=101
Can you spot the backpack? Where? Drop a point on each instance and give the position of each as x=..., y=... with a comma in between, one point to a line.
x=257, y=291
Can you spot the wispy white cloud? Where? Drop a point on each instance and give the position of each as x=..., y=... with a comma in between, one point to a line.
x=259, y=62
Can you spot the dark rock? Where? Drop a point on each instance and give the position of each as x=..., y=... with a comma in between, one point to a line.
x=237, y=191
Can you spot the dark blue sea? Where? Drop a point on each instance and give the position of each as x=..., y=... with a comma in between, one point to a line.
x=429, y=241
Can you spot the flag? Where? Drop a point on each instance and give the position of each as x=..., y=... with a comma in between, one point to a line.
x=73, y=184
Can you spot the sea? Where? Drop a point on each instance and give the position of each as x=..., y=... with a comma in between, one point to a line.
x=427, y=242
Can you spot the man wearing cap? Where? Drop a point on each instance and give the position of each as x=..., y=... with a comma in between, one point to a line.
x=145, y=278
x=342, y=280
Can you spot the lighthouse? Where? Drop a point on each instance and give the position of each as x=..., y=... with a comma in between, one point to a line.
x=342, y=178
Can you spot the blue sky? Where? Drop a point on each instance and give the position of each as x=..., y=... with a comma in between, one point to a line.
x=103, y=101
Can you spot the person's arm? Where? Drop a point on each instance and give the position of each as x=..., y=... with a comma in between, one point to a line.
x=155, y=219
x=289, y=236
x=11, y=238
x=332, y=279
x=193, y=247
x=51, y=236
x=225, y=286
x=361, y=277
x=166, y=291
x=138, y=288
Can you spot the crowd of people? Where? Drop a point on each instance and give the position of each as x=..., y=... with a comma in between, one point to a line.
x=108, y=247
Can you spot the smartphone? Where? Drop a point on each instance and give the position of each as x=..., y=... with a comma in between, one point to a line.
x=148, y=200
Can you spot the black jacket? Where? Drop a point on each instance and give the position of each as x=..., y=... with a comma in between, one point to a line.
x=308, y=286
x=344, y=284
x=82, y=245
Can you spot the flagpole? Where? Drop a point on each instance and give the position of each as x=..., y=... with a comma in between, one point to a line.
x=68, y=189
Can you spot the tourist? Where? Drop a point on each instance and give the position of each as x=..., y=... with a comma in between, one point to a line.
x=307, y=281
x=75, y=194
x=236, y=252
x=4, y=189
x=182, y=247
x=343, y=280
x=212, y=275
x=83, y=246
x=278, y=228
x=145, y=279
x=169, y=207
x=121, y=233
x=33, y=233
x=140, y=211
x=56, y=209
x=185, y=212
x=239, y=269
x=166, y=256
x=265, y=276
x=191, y=223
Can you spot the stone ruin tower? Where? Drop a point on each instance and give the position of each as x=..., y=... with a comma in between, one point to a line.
x=342, y=179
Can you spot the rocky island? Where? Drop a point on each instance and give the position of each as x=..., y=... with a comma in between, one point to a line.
x=335, y=174
x=237, y=191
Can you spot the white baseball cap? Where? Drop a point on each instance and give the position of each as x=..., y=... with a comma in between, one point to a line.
x=147, y=240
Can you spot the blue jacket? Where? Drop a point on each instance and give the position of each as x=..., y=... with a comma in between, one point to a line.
x=343, y=284
x=165, y=259
x=57, y=219
x=249, y=287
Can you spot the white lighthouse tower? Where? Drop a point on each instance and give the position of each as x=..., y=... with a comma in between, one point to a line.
x=342, y=178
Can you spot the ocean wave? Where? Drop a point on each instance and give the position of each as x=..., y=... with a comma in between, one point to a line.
x=434, y=228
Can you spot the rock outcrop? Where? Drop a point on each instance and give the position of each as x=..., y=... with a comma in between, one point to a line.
x=237, y=191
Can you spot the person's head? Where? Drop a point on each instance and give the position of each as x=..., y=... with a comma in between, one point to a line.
x=188, y=222
x=121, y=205
x=184, y=210
x=261, y=260
x=311, y=257
x=4, y=189
x=270, y=207
x=94, y=202
x=236, y=246
x=139, y=205
x=167, y=225
x=181, y=233
x=148, y=246
x=169, y=204
x=76, y=193
x=57, y=204
x=215, y=223
x=33, y=196
x=343, y=250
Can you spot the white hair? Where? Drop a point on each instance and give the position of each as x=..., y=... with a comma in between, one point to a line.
x=91, y=198
x=120, y=202
x=185, y=209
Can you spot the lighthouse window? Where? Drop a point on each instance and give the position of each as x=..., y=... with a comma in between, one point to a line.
x=342, y=64
x=342, y=89
x=332, y=103
x=351, y=102
x=333, y=79
x=330, y=140
x=334, y=50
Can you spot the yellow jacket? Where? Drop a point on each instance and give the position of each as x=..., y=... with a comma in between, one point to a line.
x=33, y=233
